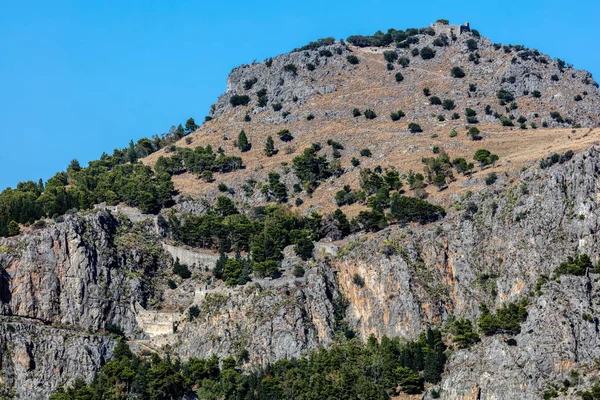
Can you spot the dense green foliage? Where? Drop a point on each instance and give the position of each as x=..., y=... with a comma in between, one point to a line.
x=197, y=161
x=310, y=168
x=239, y=100
x=507, y=319
x=316, y=44
x=485, y=157
x=410, y=209
x=457, y=72
x=348, y=370
x=352, y=59
x=556, y=158
x=112, y=179
x=577, y=266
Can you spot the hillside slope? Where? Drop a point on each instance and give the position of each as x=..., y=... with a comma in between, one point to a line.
x=331, y=90
x=227, y=266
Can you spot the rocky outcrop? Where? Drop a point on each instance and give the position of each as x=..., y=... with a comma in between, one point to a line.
x=271, y=320
x=36, y=359
x=84, y=272
x=283, y=85
x=559, y=336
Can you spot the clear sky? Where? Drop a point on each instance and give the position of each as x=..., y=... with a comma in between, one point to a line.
x=81, y=77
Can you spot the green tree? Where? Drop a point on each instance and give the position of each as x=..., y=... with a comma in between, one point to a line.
x=13, y=228
x=276, y=189
x=190, y=125
x=269, y=147
x=304, y=248
x=463, y=334
x=243, y=143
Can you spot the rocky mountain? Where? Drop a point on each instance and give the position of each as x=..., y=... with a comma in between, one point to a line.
x=74, y=287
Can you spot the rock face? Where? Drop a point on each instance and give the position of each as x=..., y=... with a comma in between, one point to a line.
x=36, y=359
x=557, y=338
x=84, y=272
x=271, y=320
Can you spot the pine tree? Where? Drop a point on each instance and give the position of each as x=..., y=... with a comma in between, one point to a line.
x=132, y=153
x=269, y=147
x=243, y=143
x=219, y=266
x=276, y=188
x=190, y=125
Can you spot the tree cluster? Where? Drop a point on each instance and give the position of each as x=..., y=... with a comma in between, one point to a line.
x=371, y=370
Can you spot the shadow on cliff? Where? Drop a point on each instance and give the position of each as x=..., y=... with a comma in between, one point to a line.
x=5, y=295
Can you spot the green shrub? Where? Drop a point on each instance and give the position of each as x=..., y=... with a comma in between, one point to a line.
x=390, y=56
x=239, y=100
x=352, y=59
x=410, y=209
x=462, y=333
x=358, y=280
x=414, y=127
x=242, y=142
x=298, y=271
x=269, y=147
x=390, y=66
x=474, y=133
x=491, y=178
x=505, y=96
x=310, y=66
x=366, y=153
x=395, y=116
x=290, y=68
x=193, y=312
x=472, y=45
x=577, y=266
x=435, y=101
x=181, y=269
x=325, y=53
x=506, y=121
x=536, y=94
x=355, y=162
x=507, y=319
x=248, y=83
x=310, y=117
x=485, y=157
x=448, y=104
x=427, y=53
x=356, y=112
x=277, y=107
x=399, y=77
x=427, y=92
x=370, y=114
x=285, y=135
x=172, y=285
x=404, y=61
x=299, y=201
x=457, y=72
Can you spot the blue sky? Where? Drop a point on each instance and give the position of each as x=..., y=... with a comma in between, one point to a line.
x=78, y=77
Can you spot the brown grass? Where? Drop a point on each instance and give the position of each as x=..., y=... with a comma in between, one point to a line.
x=369, y=85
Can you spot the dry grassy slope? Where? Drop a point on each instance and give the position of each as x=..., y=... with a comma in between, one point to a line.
x=370, y=85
